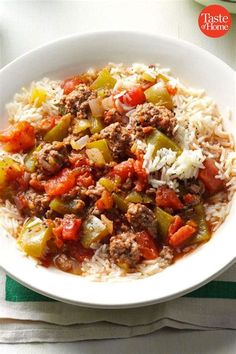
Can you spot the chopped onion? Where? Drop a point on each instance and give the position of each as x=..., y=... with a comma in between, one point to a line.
x=96, y=157
x=108, y=103
x=108, y=223
x=96, y=107
x=121, y=107
x=79, y=144
x=120, y=94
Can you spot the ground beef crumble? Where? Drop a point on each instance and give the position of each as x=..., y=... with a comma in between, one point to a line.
x=63, y=262
x=124, y=249
x=118, y=139
x=112, y=116
x=77, y=102
x=142, y=218
x=150, y=115
x=51, y=158
x=31, y=203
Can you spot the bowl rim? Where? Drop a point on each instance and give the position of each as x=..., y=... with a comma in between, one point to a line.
x=144, y=302
x=115, y=32
x=135, y=304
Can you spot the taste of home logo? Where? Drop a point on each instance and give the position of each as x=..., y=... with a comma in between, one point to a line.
x=214, y=21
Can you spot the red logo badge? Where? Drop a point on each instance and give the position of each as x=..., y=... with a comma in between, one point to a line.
x=214, y=21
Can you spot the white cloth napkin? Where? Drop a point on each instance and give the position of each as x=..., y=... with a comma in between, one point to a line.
x=22, y=322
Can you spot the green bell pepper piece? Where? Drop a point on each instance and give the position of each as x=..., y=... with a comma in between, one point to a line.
x=102, y=146
x=104, y=80
x=162, y=77
x=120, y=202
x=60, y=131
x=101, y=93
x=159, y=95
x=93, y=231
x=160, y=141
x=34, y=236
x=164, y=220
x=96, y=157
x=148, y=200
x=31, y=161
x=81, y=125
x=110, y=184
x=134, y=197
x=198, y=215
x=95, y=125
x=62, y=207
x=147, y=77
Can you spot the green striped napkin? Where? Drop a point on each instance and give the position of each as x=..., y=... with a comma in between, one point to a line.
x=26, y=316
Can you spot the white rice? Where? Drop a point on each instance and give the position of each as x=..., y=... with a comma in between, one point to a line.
x=100, y=268
x=187, y=164
x=10, y=218
x=22, y=109
x=199, y=132
x=182, y=167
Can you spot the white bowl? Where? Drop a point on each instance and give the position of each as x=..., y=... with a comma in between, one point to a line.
x=194, y=66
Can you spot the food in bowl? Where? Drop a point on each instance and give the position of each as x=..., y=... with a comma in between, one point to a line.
x=114, y=172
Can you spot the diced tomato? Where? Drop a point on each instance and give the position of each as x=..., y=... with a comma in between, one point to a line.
x=46, y=260
x=61, y=183
x=21, y=202
x=78, y=160
x=167, y=198
x=175, y=225
x=191, y=199
x=183, y=234
x=70, y=84
x=208, y=177
x=21, y=183
x=57, y=232
x=48, y=123
x=15, y=175
x=130, y=169
x=133, y=97
x=147, y=246
x=139, y=154
x=83, y=170
x=21, y=137
x=85, y=180
x=80, y=253
x=171, y=89
x=70, y=228
x=105, y=202
x=37, y=185
x=99, y=204
x=141, y=174
x=124, y=169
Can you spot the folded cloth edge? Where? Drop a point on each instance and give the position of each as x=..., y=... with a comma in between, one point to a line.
x=41, y=333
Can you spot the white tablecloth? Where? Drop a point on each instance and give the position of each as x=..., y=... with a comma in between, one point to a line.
x=27, y=24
